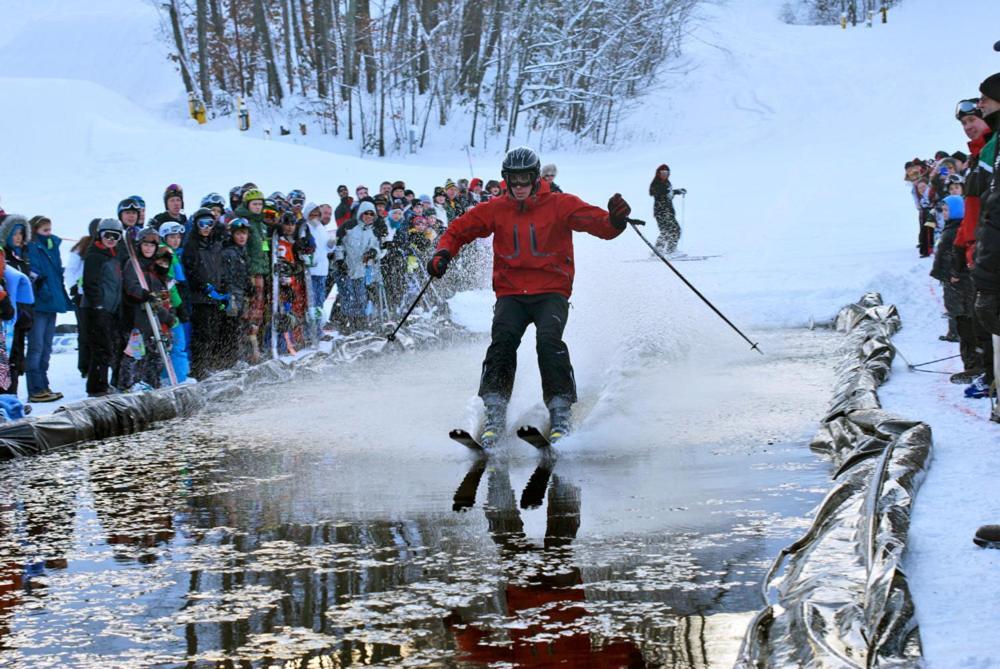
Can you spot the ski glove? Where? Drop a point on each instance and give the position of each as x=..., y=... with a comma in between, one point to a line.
x=618, y=211
x=369, y=255
x=213, y=293
x=987, y=308
x=680, y=191
x=150, y=296
x=438, y=264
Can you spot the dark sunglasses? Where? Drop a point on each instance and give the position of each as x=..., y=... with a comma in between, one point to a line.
x=524, y=181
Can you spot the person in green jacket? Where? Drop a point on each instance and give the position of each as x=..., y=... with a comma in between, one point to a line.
x=259, y=252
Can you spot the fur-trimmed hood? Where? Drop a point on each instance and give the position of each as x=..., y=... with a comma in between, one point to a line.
x=8, y=225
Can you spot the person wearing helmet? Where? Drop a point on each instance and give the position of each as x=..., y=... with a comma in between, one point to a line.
x=202, y=261
x=237, y=338
x=216, y=203
x=533, y=271
x=129, y=212
x=142, y=209
x=173, y=203
x=140, y=372
x=172, y=237
x=102, y=299
x=296, y=201
x=259, y=256
x=235, y=198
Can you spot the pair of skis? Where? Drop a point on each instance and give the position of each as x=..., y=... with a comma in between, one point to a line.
x=528, y=433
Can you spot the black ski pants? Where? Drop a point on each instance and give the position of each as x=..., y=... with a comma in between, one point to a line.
x=511, y=316
x=102, y=329
x=205, y=346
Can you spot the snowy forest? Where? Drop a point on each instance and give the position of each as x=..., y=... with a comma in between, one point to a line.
x=820, y=12
x=377, y=71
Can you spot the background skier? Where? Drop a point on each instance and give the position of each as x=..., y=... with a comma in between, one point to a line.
x=663, y=193
x=533, y=278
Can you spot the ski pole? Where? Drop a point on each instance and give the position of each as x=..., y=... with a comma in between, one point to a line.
x=392, y=335
x=635, y=223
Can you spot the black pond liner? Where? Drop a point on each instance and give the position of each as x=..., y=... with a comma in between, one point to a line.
x=842, y=599
x=117, y=415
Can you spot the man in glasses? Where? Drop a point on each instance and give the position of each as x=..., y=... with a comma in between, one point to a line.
x=549, y=173
x=533, y=271
x=102, y=299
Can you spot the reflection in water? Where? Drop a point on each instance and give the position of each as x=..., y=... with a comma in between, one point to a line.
x=546, y=602
x=178, y=547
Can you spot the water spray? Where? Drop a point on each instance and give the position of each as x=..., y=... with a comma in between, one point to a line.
x=392, y=335
x=635, y=223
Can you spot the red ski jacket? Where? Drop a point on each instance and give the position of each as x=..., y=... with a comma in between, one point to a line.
x=532, y=240
x=965, y=238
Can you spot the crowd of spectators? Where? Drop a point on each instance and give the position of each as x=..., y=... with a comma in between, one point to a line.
x=957, y=197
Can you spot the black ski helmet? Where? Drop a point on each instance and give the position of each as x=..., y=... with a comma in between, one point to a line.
x=522, y=160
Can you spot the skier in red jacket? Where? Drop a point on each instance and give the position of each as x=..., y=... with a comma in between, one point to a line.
x=533, y=270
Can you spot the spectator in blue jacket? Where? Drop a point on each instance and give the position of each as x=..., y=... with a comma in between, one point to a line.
x=50, y=301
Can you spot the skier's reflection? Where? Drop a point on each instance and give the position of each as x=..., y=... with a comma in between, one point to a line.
x=544, y=596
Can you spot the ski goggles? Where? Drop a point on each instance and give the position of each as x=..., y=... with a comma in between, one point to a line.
x=205, y=223
x=111, y=235
x=955, y=179
x=968, y=107
x=520, y=180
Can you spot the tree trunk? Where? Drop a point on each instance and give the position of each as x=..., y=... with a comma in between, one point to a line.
x=320, y=39
x=274, y=91
x=203, y=66
x=286, y=29
x=182, y=59
x=472, y=32
x=240, y=67
x=365, y=45
x=219, y=30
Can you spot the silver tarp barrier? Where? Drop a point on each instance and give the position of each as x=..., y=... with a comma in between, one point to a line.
x=118, y=415
x=838, y=597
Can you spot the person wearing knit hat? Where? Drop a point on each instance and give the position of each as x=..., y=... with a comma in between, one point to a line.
x=991, y=87
x=549, y=173
x=452, y=206
x=50, y=301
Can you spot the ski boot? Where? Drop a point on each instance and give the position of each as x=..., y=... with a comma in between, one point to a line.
x=495, y=421
x=987, y=536
x=560, y=414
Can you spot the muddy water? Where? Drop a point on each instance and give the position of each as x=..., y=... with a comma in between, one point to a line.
x=334, y=522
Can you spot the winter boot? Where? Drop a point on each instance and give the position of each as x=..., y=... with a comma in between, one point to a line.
x=987, y=536
x=560, y=414
x=966, y=377
x=495, y=421
x=978, y=389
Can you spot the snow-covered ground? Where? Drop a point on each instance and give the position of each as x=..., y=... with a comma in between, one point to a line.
x=789, y=139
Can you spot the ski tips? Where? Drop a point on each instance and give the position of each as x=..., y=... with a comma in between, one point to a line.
x=755, y=346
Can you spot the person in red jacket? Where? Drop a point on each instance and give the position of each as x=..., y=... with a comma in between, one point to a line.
x=533, y=270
